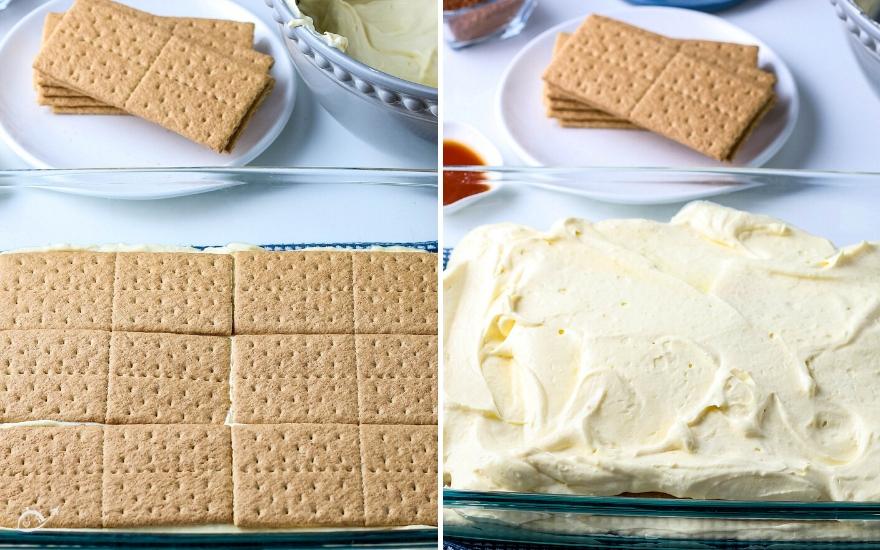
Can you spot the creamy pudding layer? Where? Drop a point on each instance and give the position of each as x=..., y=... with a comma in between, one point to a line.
x=398, y=37
x=721, y=355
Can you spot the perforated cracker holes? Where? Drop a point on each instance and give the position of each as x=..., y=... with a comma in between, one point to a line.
x=297, y=475
x=51, y=476
x=400, y=474
x=397, y=378
x=53, y=375
x=168, y=379
x=305, y=292
x=167, y=475
x=295, y=378
x=62, y=290
x=185, y=293
x=395, y=293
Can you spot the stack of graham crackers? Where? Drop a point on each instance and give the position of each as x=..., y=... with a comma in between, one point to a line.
x=260, y=389
x=200, y=78
x=706, y=95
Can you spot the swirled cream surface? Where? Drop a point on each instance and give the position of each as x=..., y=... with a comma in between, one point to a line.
x=722, y=355
x=398, y=37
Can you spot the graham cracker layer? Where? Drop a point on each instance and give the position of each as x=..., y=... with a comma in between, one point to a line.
x=400, y=474
x=87, y=111
x=61, y=290
x=160, y=377
x=371, y=475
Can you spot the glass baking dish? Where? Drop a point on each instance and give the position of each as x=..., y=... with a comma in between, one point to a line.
x=276, y=208
x=209, y=206
x=839, y=206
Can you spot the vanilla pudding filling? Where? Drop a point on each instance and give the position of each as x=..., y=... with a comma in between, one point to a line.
x=722, y=355
x=398, y=37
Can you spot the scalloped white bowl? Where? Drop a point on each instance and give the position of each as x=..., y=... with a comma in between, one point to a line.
x=361, y=98
x=864, y=39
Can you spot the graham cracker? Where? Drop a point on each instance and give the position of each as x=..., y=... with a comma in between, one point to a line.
x=56, y=91
x=553, y=105
x=588, y=118
x=597, y=124
x=711, y=118
x=51, y=476
x=397, y=378
x=61, y=290
x=587, y=114
x=53, y=375
x=726, y=54
x=289, y=475
x=295, y=378
x=395, y=292
x=400, y=474
x=228, y=37
x=168, y=379
x=645, y=79
x=68, y=101
x=174, y=474
x=88, y=111
x=729, y=55
x=303, y=292
x=186, y=293
x=224, y=92
x=128, y=61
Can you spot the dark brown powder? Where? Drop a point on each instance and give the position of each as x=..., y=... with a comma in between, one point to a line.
x=458, y=4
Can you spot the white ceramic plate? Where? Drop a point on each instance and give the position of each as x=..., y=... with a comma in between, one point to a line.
x=539, y=141
x=45, y=140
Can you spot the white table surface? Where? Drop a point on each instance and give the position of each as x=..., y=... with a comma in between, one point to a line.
x=839, y=112
x=255, y=213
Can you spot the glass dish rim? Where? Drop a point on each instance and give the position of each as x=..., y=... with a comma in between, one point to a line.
x=635, y=506
x=365, y=172
x=647, y=170
x=427, y=536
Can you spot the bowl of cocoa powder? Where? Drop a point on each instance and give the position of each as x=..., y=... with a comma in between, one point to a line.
x=469, y=22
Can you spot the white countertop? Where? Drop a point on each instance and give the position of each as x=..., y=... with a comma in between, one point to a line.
x=839, y=112
x=255, y=213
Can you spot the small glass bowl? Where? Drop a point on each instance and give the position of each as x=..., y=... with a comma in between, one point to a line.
x=487, y=20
